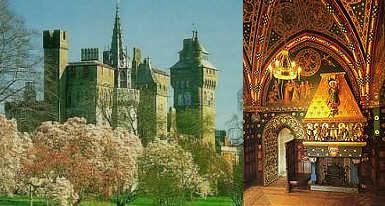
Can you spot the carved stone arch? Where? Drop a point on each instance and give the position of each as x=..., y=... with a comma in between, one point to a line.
x=270, y=143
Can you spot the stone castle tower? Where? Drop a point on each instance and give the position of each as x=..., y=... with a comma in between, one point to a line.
x=99, y=92
x=153, y=85
x=55, y=44
x=116, y=93
x=194, y=80
x=125, y=97
x=136, y=61
x=110, y=92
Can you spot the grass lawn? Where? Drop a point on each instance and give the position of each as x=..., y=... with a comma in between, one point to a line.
x=19, y=201
x=210, y=201
x=24, y=201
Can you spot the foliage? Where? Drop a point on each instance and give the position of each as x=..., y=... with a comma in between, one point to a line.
x=94, y=159
x=149, y=120
x=211, y=165
x=125, y=197
x=168, y=174
x=13, y=150
x=234, y=187
x=190, y=122
x=18, y=200
x=209, y=201
x=142, y=201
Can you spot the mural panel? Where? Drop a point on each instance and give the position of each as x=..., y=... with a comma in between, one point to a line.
x=299, y=92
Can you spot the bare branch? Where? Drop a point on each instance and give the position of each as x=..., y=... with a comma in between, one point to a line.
x=18, y=56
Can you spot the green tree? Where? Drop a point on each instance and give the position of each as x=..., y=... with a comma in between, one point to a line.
x=168, y=174
x=191, y=123
x=150, y=122
x=211, y=165
x=234, y=187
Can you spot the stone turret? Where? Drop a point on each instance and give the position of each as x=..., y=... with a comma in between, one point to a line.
x=194, y=80
x=136, y=60
x=153, y=85
x=55, y=44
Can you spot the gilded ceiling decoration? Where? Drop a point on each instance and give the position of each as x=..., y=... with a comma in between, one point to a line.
x=347, y=27
x=378, y=68
x=309, y=60
x=290, y=17
x=360, y=12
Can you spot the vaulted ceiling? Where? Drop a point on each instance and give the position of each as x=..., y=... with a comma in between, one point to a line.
x=349, y=30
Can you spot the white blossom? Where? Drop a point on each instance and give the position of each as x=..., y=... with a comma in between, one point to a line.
x=13, y=150
x=61, y=192
x=167, y=170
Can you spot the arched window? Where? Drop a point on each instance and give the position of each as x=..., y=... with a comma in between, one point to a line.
x=187, y=98
x=180, y=99
x=181, y=84
x=69, y=102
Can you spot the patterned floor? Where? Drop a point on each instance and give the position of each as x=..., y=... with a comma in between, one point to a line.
x=276, y=195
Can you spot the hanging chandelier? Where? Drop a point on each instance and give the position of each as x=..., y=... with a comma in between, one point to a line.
x=283, y=68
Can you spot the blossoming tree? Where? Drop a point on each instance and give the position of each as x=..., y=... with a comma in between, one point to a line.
x=94, y=159
x=168, y=173
x=13, y=150
x=212, y=166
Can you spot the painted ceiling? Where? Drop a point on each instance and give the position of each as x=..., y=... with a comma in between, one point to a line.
x=349, y=30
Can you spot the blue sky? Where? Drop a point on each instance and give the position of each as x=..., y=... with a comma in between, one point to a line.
x=158, y=27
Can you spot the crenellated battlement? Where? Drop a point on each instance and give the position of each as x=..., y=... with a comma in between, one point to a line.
x=54, y=39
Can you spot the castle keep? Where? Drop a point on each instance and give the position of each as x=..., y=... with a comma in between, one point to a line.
x=131, y=94
x=99, y=91
x=194, y=80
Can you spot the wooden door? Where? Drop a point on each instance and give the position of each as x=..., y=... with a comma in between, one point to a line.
x=291, y=160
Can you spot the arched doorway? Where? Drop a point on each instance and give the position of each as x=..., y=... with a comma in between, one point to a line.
x=290, y=126
x=284, y=137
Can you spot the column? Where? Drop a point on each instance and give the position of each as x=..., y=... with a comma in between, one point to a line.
x=313, y=176
x=354, y=171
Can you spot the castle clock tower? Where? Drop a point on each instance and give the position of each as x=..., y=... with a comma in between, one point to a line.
x=194, y=80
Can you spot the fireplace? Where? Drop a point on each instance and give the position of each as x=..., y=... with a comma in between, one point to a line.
x=335, y=175
x=335, y=136
x=335, y=172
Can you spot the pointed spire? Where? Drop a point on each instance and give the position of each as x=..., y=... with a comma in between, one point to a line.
x=118, y=55
x=195, y=35
x=195, y=32
x=117, y=11
x=197, y=45
x=119, y=58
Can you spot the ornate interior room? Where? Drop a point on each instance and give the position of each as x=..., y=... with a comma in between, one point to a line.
x=314, y=97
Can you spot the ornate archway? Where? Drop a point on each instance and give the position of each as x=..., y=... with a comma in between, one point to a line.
x=270, y=143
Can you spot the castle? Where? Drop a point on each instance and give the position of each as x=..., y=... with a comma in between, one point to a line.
x=194, y=80
x=123, y=92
